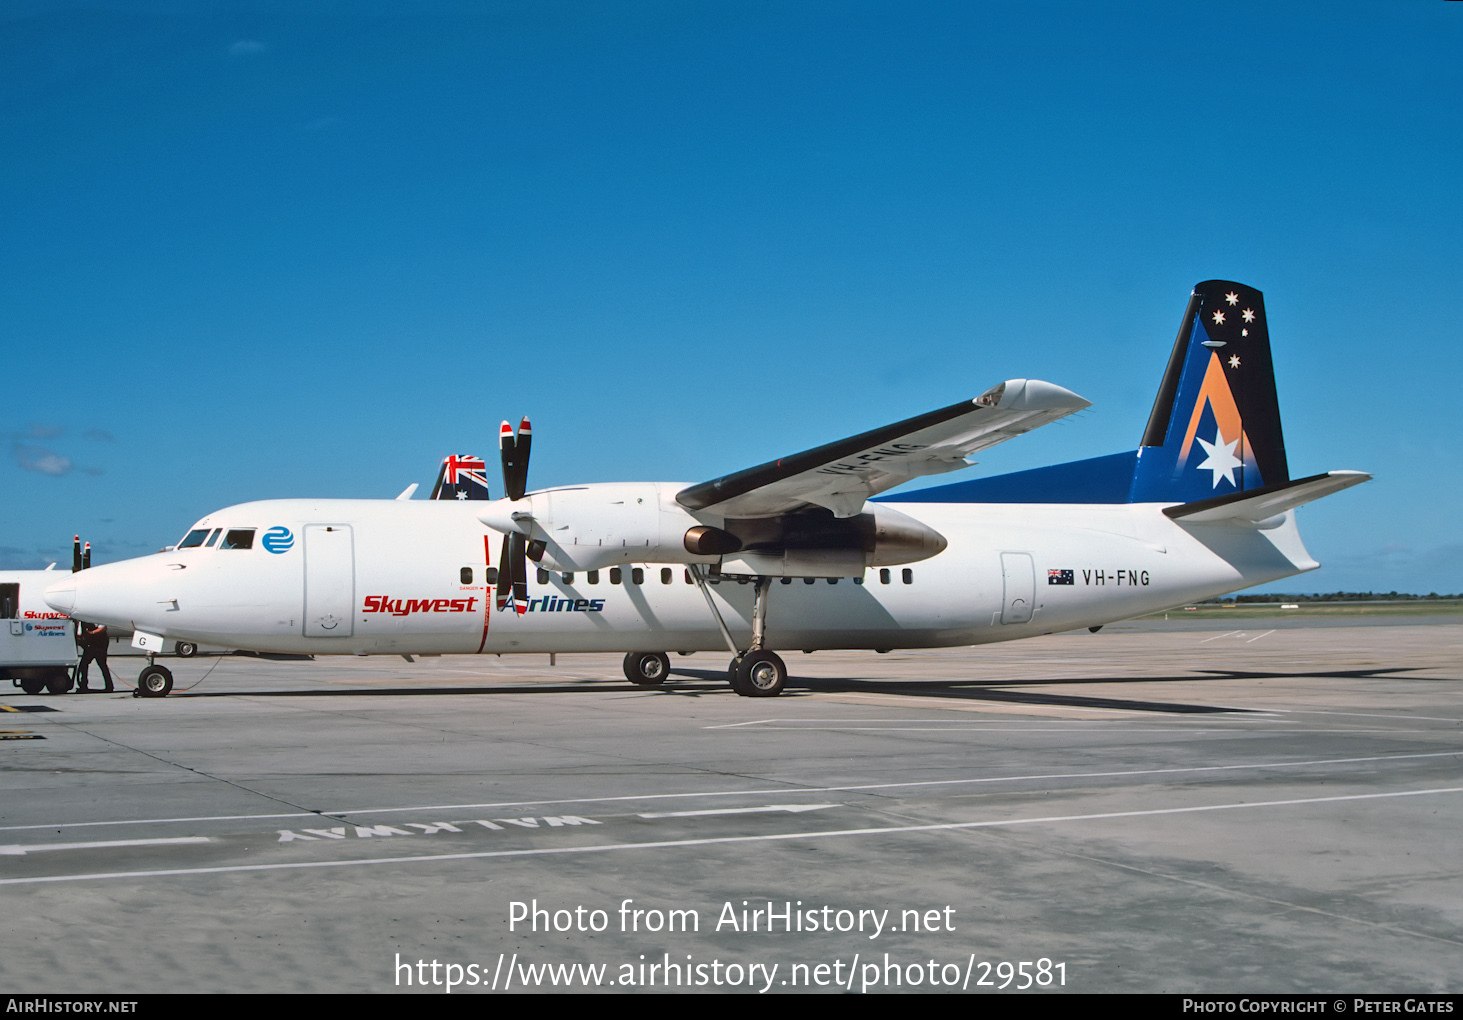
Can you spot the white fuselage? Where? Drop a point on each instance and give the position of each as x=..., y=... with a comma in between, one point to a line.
x=408, y=577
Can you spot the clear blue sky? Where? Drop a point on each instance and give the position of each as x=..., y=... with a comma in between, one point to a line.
x=261, y=252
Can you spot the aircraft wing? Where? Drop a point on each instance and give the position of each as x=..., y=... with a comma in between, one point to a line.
x=842, y=475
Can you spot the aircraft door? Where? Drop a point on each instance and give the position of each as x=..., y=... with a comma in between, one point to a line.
x=10, y=608
x=1020, y=587
x=330, y=580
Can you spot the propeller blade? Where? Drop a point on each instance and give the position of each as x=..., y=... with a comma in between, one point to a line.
x=437, y=486
x=76, y=554
x=514, y=451
x=520, y=573
x=505, y=574
x=86, y=557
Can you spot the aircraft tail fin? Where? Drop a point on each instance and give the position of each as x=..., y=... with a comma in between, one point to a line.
x=1215, y=427
x=462, y=477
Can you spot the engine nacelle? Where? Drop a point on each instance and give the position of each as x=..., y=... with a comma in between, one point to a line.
x=814, y=543
x=590, y=527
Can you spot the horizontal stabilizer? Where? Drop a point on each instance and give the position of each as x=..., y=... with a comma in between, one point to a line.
x=1259, y=504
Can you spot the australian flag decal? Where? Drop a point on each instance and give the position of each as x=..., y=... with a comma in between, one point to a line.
x=1059, y=577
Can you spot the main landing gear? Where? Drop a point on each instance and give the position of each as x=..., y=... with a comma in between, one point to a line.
x=756, y=672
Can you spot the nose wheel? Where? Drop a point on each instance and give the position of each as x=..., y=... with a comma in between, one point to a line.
x=154, y=682
x=647, y=669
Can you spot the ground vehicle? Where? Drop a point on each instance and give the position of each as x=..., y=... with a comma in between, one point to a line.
x=37, y=647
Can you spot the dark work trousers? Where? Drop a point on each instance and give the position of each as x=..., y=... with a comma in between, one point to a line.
x=87, y=659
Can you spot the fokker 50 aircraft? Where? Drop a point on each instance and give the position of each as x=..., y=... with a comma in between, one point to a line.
x=796, y=553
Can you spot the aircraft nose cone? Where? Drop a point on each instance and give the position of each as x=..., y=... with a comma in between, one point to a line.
x=62, y=597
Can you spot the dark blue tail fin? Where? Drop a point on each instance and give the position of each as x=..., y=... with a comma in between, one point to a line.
x=1215, y=427
x=462, y=477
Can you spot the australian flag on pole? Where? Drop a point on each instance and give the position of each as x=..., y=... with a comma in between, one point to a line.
x=462, y=477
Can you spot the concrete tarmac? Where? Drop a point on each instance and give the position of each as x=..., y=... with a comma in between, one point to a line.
x=1144, y=809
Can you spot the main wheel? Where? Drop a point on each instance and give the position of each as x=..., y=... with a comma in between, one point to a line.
x=734, y=676
x=154, y=682
x=185, y=649
x=32, y=686
x=761, y=674
x=647, y=669
x=60, y=681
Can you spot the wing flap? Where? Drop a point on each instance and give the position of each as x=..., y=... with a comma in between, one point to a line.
x=843, y=474
x=1257, y=505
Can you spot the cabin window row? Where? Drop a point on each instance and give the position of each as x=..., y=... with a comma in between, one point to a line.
x=667, y=576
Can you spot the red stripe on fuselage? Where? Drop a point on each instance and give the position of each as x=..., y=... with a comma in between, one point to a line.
x=487, y=592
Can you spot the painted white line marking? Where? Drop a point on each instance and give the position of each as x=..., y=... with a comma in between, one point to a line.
x=1259, y=636
x=1368, y=715
x=17, y=849
x=714, y=840
x=1216, y=637
x=734, y=725
x=981, y=705
x=790, y=808
x=784, y=790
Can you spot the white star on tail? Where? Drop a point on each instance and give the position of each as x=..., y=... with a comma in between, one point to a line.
x=1222, y=460
x=1232, y=298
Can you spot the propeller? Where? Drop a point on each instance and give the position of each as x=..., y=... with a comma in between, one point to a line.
x=86, y=557
x=514, y=451
x=513, y=563
x=76, y=554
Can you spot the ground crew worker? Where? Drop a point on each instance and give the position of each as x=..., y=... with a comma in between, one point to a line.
x=94, y=649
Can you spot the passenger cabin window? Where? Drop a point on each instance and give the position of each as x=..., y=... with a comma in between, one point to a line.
x=665, y=575
x=908, y=576
x=615, y=575
x=832, y=580
x=238, y=538
x=543, y=576
x=593, y=576
x=466, y=575
x=810, y=580
x=637, y=576
x=688, y=578
x=859, y=579
x=786, y=580
x=193, y=538
x=490, y=575
x=568, y=577
x=884, y=575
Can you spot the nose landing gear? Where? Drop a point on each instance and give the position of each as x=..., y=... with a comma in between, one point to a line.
x=647, y=669
x=154, y=681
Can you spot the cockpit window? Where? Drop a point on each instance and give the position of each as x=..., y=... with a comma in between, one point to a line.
x=238, y=538
x=212, y=538
x=194, y=537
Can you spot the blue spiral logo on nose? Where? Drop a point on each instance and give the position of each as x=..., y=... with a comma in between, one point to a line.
x=278, y=539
